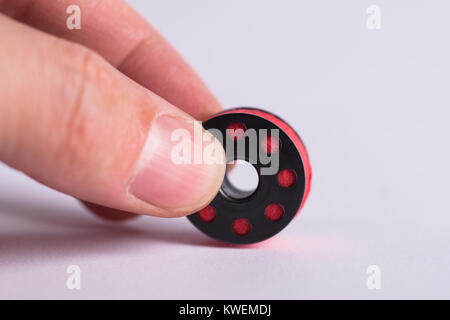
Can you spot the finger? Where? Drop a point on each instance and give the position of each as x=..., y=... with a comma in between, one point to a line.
x=128, y=42
x=73, y=122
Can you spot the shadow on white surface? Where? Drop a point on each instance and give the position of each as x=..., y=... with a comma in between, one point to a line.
x=36, y=230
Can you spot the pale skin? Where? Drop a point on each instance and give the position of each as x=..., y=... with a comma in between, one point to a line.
x=86, y=112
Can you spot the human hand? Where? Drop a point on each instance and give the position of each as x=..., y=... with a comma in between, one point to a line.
x=89, y=112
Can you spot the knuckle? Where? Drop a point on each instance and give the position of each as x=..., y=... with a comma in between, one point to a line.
x=78, y=139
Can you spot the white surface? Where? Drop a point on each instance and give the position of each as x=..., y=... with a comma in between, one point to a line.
x=373, y=110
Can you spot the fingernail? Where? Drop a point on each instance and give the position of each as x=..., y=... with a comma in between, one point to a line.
x=169, y=173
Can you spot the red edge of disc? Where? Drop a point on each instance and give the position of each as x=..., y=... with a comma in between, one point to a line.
x=291, y=134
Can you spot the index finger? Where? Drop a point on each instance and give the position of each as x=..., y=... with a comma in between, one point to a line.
x=126, y=40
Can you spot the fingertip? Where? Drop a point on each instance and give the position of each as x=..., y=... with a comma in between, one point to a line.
x=175, y=172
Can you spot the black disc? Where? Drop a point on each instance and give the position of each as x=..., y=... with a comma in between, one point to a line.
x=229, y=210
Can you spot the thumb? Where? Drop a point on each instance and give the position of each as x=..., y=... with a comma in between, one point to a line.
x=71, y=121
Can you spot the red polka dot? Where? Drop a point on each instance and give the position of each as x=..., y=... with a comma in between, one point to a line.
x=286, y=178
x=236, y=130
x=270, y=144
x=207, y=214
x=241, y=226
x=274, y=212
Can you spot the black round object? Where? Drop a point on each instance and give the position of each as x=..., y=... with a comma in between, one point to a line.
x=243, y=219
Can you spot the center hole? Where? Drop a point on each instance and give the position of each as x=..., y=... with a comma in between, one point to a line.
x=241, y=180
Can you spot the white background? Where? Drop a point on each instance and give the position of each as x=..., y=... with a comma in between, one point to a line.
x=373, y=109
